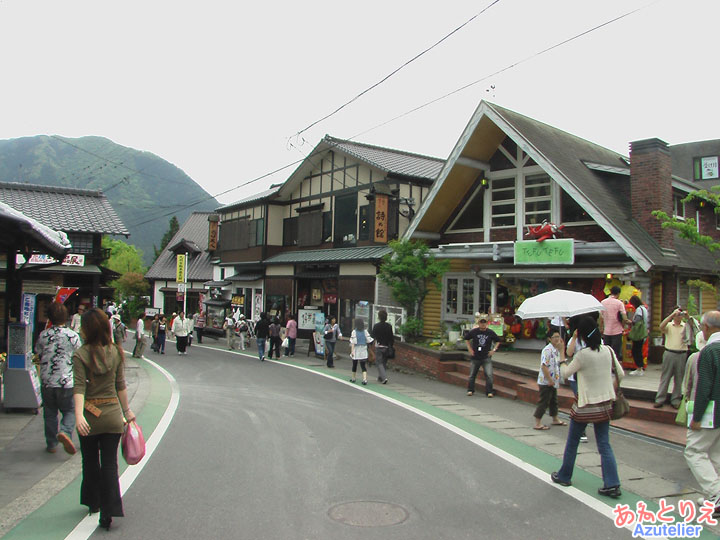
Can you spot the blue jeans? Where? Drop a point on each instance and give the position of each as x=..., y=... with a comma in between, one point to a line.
x=330, y=353
x=58, y=400
x=486, y=364
x=161, y=342
x=607, y=458
x=261, y=347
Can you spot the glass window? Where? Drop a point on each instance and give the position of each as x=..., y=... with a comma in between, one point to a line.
x=346, y=213
x=327, y=227
x=571, y=211
x=364, y=233
x=502, y=197
x=81, y=243
x=451, y=296
x=471, y=216
x=678, y=206
x=290, y=231
x=464, y=295
x=537, y=199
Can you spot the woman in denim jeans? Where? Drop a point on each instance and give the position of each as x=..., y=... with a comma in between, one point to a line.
x=595, y=388
x=331, y=326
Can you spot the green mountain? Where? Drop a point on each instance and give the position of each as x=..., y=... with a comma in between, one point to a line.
x=144, y=189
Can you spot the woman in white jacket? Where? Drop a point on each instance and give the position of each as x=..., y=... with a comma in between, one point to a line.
x=596, y=393
x=181, y=329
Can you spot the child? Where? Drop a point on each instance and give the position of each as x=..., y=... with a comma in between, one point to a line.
x=549, y=380
x=359, y=340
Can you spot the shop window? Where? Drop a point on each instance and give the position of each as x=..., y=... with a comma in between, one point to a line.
x=571, y=211
x=290, y=231
x=537, y=199
x=472, y=214
x=365, y=227
x=464, y=296
x=502, y=202
x=346, y=214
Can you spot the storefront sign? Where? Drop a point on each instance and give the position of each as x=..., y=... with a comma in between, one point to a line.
x=71, y=259
x=212, y=235
x=557, y=251
x=237, y=300
x=381, y=218
x=307, y=318
x=180, y=274
x=330, y=299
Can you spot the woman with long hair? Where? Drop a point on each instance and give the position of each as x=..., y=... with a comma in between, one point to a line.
x=596, y=393
x=359, y=341
x=101, y=410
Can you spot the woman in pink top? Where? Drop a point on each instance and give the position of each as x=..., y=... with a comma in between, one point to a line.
x=291, y=335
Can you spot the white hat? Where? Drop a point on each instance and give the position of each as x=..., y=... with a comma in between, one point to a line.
x=116, y=316
x=241, y=316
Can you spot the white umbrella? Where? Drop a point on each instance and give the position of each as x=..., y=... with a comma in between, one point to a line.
x=558, y=303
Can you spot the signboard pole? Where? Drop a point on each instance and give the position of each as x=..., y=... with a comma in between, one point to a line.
x=185, y=267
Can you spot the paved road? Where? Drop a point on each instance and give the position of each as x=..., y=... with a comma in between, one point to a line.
x=267, y=451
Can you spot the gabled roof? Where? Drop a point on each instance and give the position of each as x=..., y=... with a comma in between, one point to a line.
x=37, y=236
x=194, y=232
x=64, y=209
x=251, y=200
x=603, y=194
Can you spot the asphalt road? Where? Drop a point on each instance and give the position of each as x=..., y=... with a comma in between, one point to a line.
x=266, y=451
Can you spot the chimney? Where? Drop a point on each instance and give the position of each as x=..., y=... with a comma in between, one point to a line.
x=651, y=187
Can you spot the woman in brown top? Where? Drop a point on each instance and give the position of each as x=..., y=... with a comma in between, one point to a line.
x=101, y=407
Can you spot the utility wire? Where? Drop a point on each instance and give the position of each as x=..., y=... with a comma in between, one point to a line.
x=341, y=107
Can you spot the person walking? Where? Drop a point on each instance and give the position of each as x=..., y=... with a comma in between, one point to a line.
x=359, y=341
x=674, y=358
x=331, y=333
x=119, y=330
x=199, y=318
x=154, y=332
x=613, y=319
x=75, y=322
x=291, y=334
x=101, y=408
x=275, y=340
x=229, y=326
x=640, y=317
x=549, y=380
x=55, y=348
x=139, y=337
x=262, y=333
x=181, y=329
x=384, y=338
x=241, y=330
x=481, y=343
x=596, y=393
x=161, y=335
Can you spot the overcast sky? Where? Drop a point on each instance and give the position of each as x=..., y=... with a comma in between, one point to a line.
x=221, y=88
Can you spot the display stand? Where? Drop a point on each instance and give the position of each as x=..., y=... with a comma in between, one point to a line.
x=21, y=384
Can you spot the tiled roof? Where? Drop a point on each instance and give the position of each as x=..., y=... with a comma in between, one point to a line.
x=251, y=199
x=387, y=159
x=371, y=253
x=64, y=209
x=16, y=223
x=194, y=230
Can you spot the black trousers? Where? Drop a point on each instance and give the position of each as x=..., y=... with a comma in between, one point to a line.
x=637, y=353
x=100, y=488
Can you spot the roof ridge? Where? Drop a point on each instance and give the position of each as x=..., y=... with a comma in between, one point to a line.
x=335, y=140
x=51, y=189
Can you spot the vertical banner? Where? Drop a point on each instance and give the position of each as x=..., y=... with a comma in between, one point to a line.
x=180, y=277
x=381, y=218
x=29, y=301
x=212, y=235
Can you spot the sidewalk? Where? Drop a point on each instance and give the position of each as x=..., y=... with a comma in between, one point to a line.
x=29, y=476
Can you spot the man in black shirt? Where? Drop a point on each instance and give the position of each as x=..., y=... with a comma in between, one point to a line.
x=382, y=333
x=262, y=333
x=481, y=343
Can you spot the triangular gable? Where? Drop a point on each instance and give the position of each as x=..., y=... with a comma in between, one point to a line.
x=558, y=153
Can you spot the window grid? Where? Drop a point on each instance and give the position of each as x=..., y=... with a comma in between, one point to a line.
x=538, y=194
x=502, y=205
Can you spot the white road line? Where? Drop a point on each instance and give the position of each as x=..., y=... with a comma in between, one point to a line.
x=88, y=525
x=541, y=475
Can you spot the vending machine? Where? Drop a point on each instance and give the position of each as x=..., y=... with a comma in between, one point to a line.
x=21, y=384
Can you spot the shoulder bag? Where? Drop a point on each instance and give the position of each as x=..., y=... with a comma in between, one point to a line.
x=621, y=406
x=132, y=443
x=638, y=332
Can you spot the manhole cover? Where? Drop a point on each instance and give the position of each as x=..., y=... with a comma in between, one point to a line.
x=368, y=514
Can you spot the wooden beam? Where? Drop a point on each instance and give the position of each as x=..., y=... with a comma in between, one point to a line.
x=473, y=163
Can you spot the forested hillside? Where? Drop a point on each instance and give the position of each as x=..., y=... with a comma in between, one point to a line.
x=140, y=185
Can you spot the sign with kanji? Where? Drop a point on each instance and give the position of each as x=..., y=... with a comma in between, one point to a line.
x=212, y=235
x=381, y=218
x=180, y=278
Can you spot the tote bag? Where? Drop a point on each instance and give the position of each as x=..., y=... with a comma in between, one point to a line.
x=133, y=443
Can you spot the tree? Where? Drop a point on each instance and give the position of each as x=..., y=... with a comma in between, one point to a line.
x=123, y=257
x=173, y=228
x=688, y=227
x=407, y=271
x=132, y=288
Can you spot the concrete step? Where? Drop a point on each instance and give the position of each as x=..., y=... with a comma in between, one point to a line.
x=459, y=379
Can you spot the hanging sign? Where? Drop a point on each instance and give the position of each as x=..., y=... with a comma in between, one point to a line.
x=558, y=251
x=381, y=218
x=212, y=235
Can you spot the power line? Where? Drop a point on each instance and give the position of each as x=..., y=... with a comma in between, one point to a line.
x=396, y=70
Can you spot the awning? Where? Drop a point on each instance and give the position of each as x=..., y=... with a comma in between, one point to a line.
x=245, y=277
x=214, y=284
x=221, y=303
x=188, y=291
x=553, y=271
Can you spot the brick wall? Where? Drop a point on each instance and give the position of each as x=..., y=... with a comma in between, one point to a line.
x=425, y=360
x=651, y=187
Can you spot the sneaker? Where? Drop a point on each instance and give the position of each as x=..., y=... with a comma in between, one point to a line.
x=583, y=438
x=637, y=372
x=554, y=477
x=491, y=395
x=470, y=393
x=385, y=381
x=67, y=443
x=364, y=383
x=53, y=449
x=613, y=492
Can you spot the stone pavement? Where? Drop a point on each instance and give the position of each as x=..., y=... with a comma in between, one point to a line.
x=29, y=476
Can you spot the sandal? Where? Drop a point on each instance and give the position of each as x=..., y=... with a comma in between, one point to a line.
x=560, y=423
x=541, y=428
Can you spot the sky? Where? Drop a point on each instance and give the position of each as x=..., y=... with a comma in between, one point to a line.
x=225, y=90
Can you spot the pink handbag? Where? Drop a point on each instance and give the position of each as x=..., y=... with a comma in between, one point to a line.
x=133, y=443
